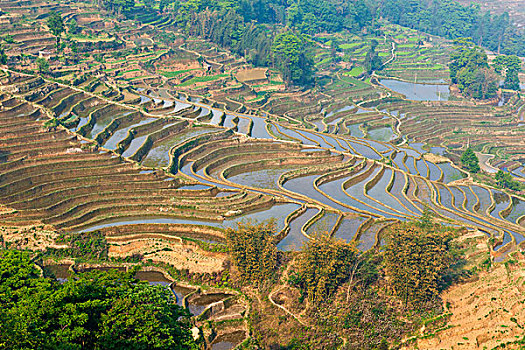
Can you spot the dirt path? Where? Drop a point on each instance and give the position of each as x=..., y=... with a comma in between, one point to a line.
x=282, y=284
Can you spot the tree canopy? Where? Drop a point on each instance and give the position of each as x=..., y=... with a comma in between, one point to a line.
x=56, y=25
x=372, y=60
x=469, y=69
x=292, y=58
x=511, y=66
x=95, y=310
x=505, y=180
x=453, y=20
x=470, y=160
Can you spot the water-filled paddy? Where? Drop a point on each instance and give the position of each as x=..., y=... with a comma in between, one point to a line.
x=134, y=146
x=279, y=212
x=422, y=168
x=158, y=156
x=518, y=210
x=198, y=304
x=153, y=278
x=484, y=198
x=120, y=134
x=459, y=197
x=418, y=92
x=378, y=192
x=368, y=238
x=397, y=191
x=228, y=341
x=363, y=150
x=264, y=178
x=216, y=117
x=355, y=130
x=450, y=173
x=383, y=134
x=324, y=224
x=295, y=238
x=501, y=201
x=259, y=128
x=348, y=228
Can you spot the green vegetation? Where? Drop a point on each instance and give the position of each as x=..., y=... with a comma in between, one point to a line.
x=452, y=20
x=88, y=246
x=511, y=66
x=3, y=56
x=73, y=27
x=253, y=251
x=504, y=180
x=42, y=64
x=56, y=25
x=96, y=310
x=175, y=73
x=470, y=160
x=372, y=60
x=469, y=69
x=356, y=71
x=203, y=79
x=292, y=58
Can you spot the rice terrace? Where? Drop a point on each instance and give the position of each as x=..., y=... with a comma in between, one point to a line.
x=332, y=174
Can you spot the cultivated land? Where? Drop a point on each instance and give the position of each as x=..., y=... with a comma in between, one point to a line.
x=158, y=142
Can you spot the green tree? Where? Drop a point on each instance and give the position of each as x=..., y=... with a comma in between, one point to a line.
x=510, y=65
x=512, y=81
x=56, y=26
x=470, y=71
x=505, y=180
x=73, y=46
x=9, y=39
x=3, y=56
x=292, y=58
x=42, y=64
x=470, y=160
x=372, y=60
x=73, y=26
x=96, y=310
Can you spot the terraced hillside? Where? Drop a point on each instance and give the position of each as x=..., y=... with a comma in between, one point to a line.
x=261, y=163
x=159, y=141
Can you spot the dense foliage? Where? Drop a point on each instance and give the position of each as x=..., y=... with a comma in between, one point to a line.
x=3, y=56
x=251, y=28
x=372, y=60
x=469, y=69
x=470, y=160
x=89, y=246
x=96, y=310
x=505, y=180
x=452, y=20
x=511, y=65
x=253, y=251
x=324, y=263
x=417, y=256
x=56, y=25
x=292, y=59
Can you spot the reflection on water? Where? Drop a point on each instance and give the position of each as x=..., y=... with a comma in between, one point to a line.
x=418, y=92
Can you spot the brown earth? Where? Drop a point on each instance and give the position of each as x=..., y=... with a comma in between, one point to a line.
x=176, y=253
x=248, y=75
x=486, y=312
